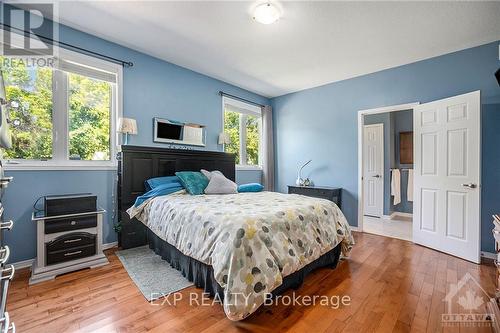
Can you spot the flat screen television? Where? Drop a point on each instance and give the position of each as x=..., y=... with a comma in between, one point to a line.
x=175, y=132
x=168, y=130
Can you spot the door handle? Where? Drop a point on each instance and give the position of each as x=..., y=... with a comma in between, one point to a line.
x=377, y=176
x=4, y=254
x=10, y=271
x=6, y=225
x=470, y=185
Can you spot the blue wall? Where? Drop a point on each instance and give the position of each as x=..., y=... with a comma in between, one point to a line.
x=490, y=172
x=321, y=123
x=151, y=88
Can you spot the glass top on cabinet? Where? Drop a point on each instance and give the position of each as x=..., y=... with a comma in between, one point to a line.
x=40, y=214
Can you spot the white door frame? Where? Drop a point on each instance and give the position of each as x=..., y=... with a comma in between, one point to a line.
x=361, y=123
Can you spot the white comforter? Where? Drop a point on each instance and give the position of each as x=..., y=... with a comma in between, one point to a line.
x=252, y=240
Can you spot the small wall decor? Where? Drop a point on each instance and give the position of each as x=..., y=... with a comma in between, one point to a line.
x=406, y=148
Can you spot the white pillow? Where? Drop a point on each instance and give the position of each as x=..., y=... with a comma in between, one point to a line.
x=219, y=184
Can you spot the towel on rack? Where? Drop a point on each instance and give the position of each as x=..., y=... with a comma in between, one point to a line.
x=396, y=185
x=409, y=188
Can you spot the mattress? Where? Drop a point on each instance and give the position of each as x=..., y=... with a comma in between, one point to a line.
x=252, y=241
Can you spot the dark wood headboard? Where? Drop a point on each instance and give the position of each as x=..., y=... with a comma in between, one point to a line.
x=137, y=164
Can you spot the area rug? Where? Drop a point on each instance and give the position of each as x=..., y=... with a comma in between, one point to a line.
x=153, y=276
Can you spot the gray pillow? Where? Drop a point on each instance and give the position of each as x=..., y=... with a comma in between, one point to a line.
x=209, y=174
x=219, y=184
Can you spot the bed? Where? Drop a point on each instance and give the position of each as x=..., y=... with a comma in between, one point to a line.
x=238, y=247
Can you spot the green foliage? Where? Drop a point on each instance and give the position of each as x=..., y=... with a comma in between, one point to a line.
x=232, y=127
x=89, y=117
x=32, y=90
x=88, y=114
x=253, y=138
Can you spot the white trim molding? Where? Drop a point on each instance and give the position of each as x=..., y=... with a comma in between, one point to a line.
x=489, y=255
x=23, y=264
x=361, y=122
x=108, y=246
x=56, y=167
x=402, y=214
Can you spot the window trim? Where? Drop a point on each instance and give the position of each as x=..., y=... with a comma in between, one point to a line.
x=60, y=158
x=244, y=109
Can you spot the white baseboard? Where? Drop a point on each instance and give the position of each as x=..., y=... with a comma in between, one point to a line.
x=488, y=255
x=354, y=228
x=109, y=245
x=23, y=264
x=29, y=262
x=394, y=214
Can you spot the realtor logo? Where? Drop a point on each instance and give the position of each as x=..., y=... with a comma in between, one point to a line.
x=27, y=23
x=466, y=304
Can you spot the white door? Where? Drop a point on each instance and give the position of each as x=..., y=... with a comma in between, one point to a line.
x=447, y=136
x=373, y=169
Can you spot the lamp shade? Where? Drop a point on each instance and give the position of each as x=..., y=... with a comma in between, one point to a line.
x=224, y=138
x=127, y=126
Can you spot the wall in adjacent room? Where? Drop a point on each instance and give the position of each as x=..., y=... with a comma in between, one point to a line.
x=490, y=172
x=402, y=121
x=321, y=123
x=151, y=88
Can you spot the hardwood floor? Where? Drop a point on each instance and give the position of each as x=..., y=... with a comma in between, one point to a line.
x=394, y=286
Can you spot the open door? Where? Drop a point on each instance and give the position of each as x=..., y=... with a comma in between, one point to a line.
x=447, y=153
x=373, y=169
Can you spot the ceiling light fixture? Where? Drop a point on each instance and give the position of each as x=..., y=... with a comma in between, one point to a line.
x=266, y=13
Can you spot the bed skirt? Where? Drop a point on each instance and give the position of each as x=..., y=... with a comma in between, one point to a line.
x=202, y=275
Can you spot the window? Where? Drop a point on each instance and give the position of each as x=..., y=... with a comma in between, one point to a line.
x=243, y=123
x=62, y=116
x=30, y=92
x=89, y=118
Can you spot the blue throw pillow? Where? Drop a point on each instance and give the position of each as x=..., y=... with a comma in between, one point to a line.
x=252, y=187
x=153, y=183
x=194, y=182
x=159, y=190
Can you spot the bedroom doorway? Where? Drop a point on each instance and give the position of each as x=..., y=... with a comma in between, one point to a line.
x=447, y=177
x=387, y=154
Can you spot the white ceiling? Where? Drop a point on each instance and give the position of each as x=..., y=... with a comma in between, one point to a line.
x=313, y=44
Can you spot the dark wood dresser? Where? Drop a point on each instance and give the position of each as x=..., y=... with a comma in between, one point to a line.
x=324, y=192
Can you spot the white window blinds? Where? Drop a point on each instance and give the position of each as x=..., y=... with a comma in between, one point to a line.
x=95, y=73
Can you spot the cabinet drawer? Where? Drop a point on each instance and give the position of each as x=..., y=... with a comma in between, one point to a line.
x=73, y=253
x=74, y=239
x=70, y=223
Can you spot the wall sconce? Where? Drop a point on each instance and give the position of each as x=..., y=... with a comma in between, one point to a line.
x=224, y=138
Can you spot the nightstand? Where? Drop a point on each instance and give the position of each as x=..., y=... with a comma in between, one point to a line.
x=67, y=243
x=324, y=192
